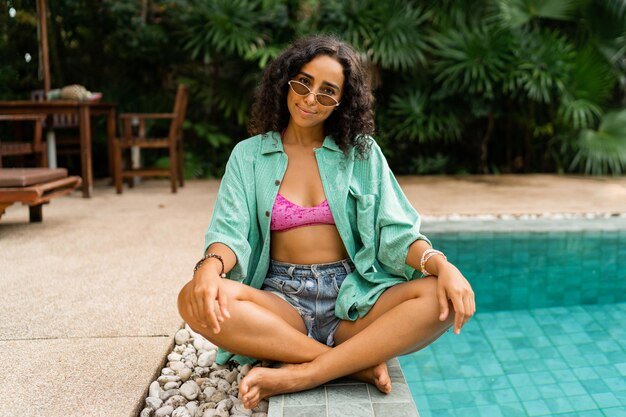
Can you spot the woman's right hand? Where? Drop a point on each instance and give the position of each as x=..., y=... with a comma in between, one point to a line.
x=208, y=298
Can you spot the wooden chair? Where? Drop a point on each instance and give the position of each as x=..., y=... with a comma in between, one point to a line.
x=36, y=146
x=34, y=187
x=173, y=142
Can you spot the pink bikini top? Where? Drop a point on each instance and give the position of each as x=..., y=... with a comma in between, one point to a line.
x=287, y=215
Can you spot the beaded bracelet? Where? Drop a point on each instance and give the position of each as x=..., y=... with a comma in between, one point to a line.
x=207, y=256
x=429, y=253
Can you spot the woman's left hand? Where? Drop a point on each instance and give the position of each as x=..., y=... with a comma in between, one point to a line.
x=453, y=286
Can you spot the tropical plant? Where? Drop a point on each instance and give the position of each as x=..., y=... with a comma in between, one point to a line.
x=603, y=150
x=460, y=85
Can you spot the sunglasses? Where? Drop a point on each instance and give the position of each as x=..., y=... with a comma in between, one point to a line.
x=303, y=91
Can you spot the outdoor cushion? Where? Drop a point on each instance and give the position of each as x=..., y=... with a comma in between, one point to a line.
x=23, y=177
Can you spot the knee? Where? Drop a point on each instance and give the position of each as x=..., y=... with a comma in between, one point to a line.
x=196, y=319
x=428, y=293
x=184, y=304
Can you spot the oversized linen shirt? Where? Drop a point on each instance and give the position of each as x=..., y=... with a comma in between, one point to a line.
x=375, y=220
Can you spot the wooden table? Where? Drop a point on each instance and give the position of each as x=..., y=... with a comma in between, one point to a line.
x=84, y=110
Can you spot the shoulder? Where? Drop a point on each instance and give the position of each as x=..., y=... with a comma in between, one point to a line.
x=251, y=147
x=372, y=154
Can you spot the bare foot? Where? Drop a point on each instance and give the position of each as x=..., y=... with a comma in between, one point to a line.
x=261, y=383
x=376, y=375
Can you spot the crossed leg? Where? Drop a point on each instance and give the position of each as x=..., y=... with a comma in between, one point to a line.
x=264, y=326
x=403, y=320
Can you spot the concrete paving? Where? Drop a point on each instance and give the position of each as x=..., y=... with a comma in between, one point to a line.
x=88, y=305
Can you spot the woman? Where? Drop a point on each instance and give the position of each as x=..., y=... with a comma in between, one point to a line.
x=319, y=242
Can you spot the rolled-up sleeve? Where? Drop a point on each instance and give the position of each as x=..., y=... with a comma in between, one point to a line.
x=397, y=221
x=230, y=222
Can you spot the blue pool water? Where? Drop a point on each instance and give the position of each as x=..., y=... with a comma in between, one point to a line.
x=549, y=338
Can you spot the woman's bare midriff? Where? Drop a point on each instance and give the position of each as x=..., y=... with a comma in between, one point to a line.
x=316, y=244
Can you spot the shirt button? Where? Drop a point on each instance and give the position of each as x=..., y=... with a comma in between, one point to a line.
x=277, y=182
x=267, y=214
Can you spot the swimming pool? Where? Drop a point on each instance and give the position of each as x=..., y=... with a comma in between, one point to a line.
x=549, y=338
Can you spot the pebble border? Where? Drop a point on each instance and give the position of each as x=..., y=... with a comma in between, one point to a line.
x=193, y=385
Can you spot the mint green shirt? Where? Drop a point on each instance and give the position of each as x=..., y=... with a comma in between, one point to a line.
x=375, y=220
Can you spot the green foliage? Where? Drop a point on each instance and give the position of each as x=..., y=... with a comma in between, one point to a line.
x=460, y=85
x=587, y=90
x=471, y=59
x=416, y=117
x=390, y=33
x=520, y=12
x=543, y=61
x=603, y=151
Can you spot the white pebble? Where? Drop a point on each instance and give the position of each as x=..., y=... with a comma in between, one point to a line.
x=164, y=379
x=226, y=403
x=171, y=385
x=165, y=395
x=167, y=371
x=193, y=358
x=154, y=402
x=154, y=389
x=245, y=369
x=209, y=413
x=174, y=357
x=207, y=359
x=192, y=406
x=219, y=374
x=176, y=366
x=218, y=396
x=223, y=385
x=221, y=413
x=190, y=390
x=231, y=376
x=181, y=412
x=184, y=374
x=240, y=409
x=164, y=411
x=176, y=401
x=146, y=412
x=202, y=408
x=209, y=391
x=182, y=336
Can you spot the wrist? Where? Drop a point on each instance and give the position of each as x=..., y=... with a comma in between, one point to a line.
x=431, y=262
x=211, y=259
x=436, y=264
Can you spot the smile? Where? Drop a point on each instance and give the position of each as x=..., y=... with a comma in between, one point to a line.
x=304, y=112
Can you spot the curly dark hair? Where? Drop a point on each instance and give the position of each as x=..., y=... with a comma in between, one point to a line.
x=349, y=124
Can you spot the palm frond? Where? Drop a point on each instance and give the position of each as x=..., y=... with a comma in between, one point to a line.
x=223, y=26
x=590, y=84
x=471, y=59
x=603, y=151
x=606, y=21
x=543, y=62
x=416, y=117
x=517, y=13
x=391, y=33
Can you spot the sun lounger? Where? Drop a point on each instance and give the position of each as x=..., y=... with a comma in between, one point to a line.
x=34, y=187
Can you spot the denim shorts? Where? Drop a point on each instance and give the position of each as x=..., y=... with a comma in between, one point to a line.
x=312, y=290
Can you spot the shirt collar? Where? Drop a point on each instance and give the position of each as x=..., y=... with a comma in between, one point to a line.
x=271, y=143
x=331, y=144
